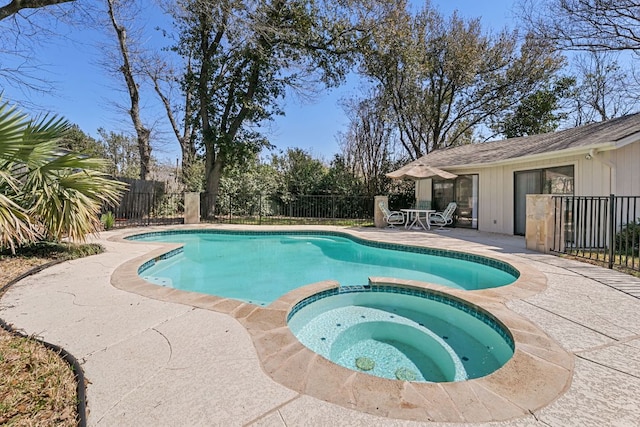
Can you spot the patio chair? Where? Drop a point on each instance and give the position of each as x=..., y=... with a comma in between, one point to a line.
x=392, y=218
x=443, y=218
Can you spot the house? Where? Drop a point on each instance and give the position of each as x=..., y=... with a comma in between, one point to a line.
x=493, y=178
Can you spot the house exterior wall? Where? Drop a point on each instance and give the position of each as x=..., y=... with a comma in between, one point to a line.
x=627, y=175
x=592, y=177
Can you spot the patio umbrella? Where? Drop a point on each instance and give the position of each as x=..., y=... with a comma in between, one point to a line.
x=419, y=171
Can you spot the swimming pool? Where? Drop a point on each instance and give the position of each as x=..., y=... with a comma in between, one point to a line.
x=259, y=267
x=402, y=333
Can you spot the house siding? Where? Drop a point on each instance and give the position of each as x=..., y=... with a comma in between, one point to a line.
x=592, y=177
x=627, y=161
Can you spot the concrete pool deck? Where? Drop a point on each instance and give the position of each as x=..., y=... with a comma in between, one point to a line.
x=153, y=362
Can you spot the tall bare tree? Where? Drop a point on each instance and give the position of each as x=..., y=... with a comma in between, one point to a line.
x=166, y=82
x=126, y=67
x=585, y=24
x=367, y=144
x=27, y=27
x=601, y=31
x=605, y=89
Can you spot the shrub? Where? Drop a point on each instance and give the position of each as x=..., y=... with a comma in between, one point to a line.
x=628, y=238
x=108, y=220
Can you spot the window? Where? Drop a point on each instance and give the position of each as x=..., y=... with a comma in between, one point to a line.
x=558, y=180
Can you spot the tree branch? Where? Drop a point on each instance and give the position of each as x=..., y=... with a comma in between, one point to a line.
x=17, y=5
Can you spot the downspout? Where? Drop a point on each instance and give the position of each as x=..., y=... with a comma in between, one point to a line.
x=594, y=154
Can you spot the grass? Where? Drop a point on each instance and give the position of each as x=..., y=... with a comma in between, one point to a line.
x=38, y=388
x=625, y=264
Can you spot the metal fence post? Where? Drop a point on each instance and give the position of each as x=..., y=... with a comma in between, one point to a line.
x=612, y=229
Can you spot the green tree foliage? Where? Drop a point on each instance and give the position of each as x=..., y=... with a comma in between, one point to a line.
x=539, y=112
x=76, y=140
x=47, y=192
x=442, y=79
x=301, y=173
x=242, y=56
x=340, y=179
x=192, y=174
x=245, y=184
x=253, y=177
x=122, y=153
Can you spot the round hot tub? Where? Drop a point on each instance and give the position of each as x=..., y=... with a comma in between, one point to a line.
x=402, y=333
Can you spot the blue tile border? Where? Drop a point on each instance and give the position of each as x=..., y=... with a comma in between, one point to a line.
x=479, y=259
x=459, y=304
x=164, y=256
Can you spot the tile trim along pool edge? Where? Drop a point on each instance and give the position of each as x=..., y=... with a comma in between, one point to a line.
x=464, y=256
x=538, y=373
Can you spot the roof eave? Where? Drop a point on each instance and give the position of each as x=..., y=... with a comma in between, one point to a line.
x=539, y=156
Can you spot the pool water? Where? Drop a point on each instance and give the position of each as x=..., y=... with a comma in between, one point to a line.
x=398, y=336
x=260, y=268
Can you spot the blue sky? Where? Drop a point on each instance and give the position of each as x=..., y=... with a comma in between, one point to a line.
x=85, y=94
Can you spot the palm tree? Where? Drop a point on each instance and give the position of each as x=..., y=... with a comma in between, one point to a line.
x=46, y=192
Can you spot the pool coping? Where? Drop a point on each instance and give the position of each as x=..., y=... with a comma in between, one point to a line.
x=538, y=373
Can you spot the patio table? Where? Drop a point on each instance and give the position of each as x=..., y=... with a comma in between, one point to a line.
x=417, y=221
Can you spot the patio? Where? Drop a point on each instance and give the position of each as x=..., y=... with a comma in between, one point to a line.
x=151, y=362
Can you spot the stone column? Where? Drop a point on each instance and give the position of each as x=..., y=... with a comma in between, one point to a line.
x=191, y=208
x=540, y=224
x=378, y=216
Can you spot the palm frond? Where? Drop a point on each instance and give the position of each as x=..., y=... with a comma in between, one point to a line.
x=44, y=187
x=16, y=227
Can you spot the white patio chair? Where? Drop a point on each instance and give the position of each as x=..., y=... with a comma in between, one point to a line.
x=443, y=218
x=392, y=218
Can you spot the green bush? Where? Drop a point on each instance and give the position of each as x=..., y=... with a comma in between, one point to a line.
x=628, y=239
x=108, y=220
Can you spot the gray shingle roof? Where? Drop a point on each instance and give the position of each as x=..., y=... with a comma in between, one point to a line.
x=595, y=135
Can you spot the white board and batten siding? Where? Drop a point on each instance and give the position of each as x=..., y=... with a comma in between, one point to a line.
x=627, y=161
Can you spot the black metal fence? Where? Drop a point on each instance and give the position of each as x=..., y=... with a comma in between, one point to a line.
x=156, y=208
x=299, y=209
x=152, y=208
x=603, y=229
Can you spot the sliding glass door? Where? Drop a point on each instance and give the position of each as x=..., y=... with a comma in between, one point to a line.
x=528, y=182
x=464, y=191
x=558, y=180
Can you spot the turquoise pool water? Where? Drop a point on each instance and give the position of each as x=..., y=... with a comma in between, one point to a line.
x=259, y=268
x=414, y=337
